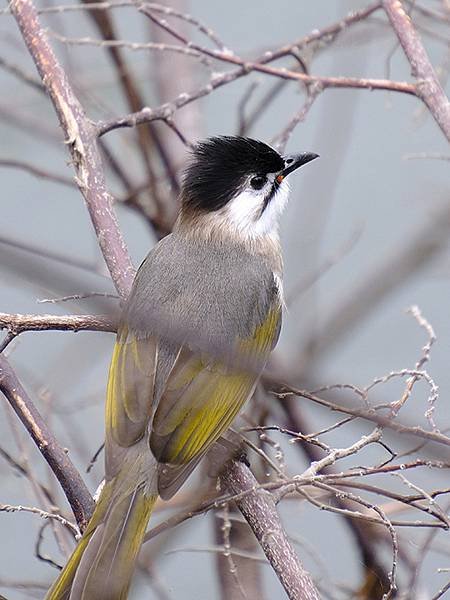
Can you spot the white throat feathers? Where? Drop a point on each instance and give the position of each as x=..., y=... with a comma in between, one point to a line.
x=255, y=213
x=248, y=217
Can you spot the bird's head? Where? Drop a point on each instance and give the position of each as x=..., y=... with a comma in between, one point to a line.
x=237, y=184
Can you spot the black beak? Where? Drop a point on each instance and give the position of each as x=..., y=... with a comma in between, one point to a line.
x=294, y=161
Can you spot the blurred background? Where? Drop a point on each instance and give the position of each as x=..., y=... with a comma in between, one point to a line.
x=364, y=238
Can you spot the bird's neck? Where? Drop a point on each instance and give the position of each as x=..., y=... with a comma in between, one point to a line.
x=207, y=228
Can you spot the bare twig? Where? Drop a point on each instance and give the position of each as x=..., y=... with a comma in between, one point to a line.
x=22, y=75
x=260, y=64
x=16, y=323
x=84, y=296
x=313, y=92
x=370, y=415
x=74, y=487
x=42, y=513
x=126, y=44
x=429, y=88
x=442, y=591
x=37, y=172
x=259, y=509
x=227, y=550
x=396, y=406
x=339, y=453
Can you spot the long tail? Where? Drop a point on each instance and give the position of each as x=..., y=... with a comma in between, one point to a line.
x=102, y=564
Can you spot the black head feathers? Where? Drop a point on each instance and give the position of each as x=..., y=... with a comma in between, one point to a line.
x=220, y=166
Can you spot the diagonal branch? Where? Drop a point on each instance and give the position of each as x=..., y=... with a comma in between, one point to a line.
x=259, y=509
x=148, y=137
x=166, y=111
x=429, y=89
x=74, y=487
x=80, y=134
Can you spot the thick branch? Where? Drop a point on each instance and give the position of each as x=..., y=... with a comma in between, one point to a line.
x=81, y=137
x=17, y=323
x=429, y=88
x=259, y=509
x=74, y=488
x=365, y=538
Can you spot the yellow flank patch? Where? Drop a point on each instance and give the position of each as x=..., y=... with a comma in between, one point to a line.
x=130, y=388
x=203, y=425
x=202, y=399
x=262, y=341
x=186, y=374
x=111, y=403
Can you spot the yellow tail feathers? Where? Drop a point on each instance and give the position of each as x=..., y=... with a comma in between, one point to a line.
x=102, y=564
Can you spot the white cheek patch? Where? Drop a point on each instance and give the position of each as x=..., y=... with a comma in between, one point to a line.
x=244, y=211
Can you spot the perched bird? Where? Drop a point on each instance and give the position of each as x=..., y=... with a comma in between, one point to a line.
x=203, y=315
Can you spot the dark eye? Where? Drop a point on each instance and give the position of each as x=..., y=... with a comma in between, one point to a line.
x=258, y=181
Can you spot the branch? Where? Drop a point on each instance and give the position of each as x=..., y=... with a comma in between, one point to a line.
x=429, y=89
x=22, y=75
x=259, y=509
x=36, y=171
x=282, y=139
x=369, y=415
x=74, y=487
x=81, y=137
x=365, y=538
x=17, y=323
x=42, y=513
x=166, y=111
x=283, y=73
x=338, y=453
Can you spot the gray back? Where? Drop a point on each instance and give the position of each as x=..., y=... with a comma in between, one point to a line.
x=205, y=294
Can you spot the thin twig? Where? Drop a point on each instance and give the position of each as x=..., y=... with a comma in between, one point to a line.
x=370, y=415
x=218, y=80
x=36, y=171
x=282, y=139
x=74, y=487
x=42, y=513
x=85, y=296
x=126, y=44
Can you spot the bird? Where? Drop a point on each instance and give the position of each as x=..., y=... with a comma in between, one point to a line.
x=195, y=333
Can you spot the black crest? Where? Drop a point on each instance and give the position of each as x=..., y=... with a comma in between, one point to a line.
x=219, y=167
